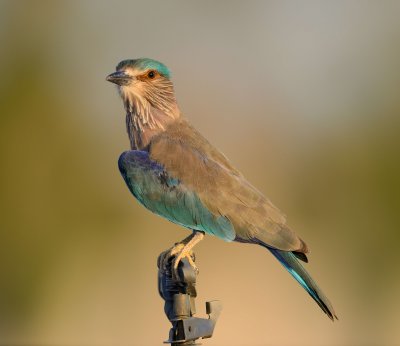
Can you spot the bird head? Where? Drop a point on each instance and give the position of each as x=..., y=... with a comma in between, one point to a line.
x=144, y=84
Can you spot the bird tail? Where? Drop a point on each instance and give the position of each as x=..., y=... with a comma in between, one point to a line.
x=294, y=267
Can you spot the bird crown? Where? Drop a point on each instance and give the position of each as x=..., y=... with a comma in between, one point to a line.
x=145, y=64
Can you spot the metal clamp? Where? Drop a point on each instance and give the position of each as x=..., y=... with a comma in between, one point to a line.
x=179, y=297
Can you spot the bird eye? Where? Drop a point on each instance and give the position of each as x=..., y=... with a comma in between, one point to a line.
x=151, y=74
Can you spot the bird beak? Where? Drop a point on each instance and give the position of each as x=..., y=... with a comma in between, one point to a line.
x=119, y=78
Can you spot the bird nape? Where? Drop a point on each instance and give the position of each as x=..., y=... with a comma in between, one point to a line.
x=176, y=173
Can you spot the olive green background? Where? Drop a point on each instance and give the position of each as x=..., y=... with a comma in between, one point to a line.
x=303, y=97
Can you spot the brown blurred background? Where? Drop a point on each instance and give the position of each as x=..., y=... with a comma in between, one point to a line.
x=302, y=96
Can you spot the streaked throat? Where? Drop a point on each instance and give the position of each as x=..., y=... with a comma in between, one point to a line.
x=145, y=119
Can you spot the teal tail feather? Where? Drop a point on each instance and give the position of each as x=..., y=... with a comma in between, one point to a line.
x=294, y=267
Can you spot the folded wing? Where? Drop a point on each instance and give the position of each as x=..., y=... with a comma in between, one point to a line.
x=165, y=195
x=206, y=172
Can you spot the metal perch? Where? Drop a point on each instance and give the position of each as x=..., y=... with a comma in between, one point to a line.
x=179, y=297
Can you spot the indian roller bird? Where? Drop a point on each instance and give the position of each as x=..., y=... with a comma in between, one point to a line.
x=176, y=173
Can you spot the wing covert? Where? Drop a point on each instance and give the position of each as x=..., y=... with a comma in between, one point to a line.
x=165, y=195
x=185, y=154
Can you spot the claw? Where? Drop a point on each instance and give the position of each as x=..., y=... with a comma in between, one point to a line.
x=167, y=255
x=178, y=258
x=178, y=252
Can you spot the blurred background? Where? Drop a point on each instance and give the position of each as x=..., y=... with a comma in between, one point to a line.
x=303, y=97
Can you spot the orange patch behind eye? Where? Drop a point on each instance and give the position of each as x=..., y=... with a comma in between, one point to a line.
x=148, y=75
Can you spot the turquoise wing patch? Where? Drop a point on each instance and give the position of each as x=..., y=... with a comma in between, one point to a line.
x=168, y=197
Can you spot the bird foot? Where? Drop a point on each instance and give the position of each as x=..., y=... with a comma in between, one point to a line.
x=175, y=254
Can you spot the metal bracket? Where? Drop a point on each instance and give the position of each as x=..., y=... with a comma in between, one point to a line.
x=179, y=297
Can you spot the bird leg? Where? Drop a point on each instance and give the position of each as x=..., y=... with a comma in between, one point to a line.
x=165, y=256
x=180, y=251
x=187, y=252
